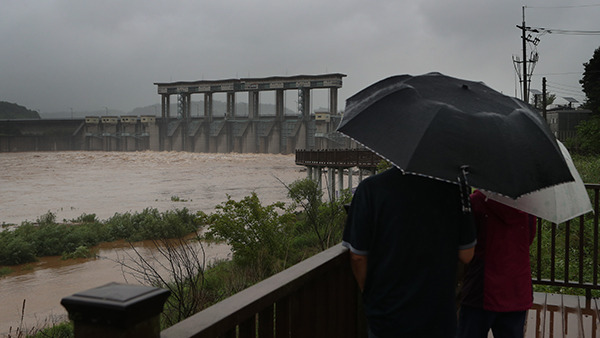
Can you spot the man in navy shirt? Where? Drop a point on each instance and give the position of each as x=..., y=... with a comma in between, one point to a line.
x=405, y=234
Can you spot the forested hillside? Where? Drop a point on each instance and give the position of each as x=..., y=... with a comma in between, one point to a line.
x=14, y=111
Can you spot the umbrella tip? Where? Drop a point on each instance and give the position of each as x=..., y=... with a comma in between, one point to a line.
x=464, y=86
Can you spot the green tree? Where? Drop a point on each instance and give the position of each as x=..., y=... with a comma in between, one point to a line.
x=259, y=235
x=587, y=140
x=324, y=219
x=538, y=102
x=14, y=111
x=591, y=83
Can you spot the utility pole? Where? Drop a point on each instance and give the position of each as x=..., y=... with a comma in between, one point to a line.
x=524, y=38
x=527, y=38
x=544, y=98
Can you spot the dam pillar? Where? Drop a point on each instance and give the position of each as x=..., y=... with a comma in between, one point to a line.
x=230, y=112
x=333, y=100
x=279, y=108
x=208, y=108
x=165, y=111
x=253, y=104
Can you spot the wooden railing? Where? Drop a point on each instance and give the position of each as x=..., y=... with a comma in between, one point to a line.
x=317, y=297
x=361, y=158
x=571, y=255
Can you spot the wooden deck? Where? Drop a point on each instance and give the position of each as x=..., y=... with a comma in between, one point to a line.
x=555, y=315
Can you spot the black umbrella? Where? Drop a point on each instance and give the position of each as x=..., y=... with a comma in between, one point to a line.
x=434, y=125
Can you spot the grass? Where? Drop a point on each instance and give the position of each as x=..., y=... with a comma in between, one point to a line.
x=588, y=167
x=177, y=199
x=5, y=270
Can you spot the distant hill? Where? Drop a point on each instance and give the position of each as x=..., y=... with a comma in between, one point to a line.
x=13, y=111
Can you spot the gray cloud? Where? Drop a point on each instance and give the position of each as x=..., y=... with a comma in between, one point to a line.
x=88, y=55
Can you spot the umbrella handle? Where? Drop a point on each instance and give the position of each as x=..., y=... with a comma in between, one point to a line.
x=465, y=190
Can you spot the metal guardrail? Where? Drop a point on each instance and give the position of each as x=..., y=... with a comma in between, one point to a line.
x=571, y=258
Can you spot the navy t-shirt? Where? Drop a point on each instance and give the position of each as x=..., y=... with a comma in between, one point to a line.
x=411, y=228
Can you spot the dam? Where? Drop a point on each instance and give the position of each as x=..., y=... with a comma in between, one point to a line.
x=254, y=132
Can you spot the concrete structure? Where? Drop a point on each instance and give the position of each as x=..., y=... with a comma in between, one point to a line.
x=337, y=163
x=564, y=120
x=249, y=134
x=254, y=133
x=41, y=135
x=120, y=133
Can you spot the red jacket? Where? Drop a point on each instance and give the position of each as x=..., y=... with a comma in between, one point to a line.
x=499, y=276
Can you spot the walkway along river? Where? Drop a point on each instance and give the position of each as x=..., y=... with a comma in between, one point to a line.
x=70, y=184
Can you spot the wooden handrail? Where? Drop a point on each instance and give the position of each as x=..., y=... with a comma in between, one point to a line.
x=291, y=303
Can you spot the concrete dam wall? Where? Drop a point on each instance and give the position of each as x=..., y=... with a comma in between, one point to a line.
x=138, y=133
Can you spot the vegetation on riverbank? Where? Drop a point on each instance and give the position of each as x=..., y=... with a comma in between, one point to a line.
x=74, y=238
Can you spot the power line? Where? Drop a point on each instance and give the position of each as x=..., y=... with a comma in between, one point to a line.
x=527, y=38
x=571, y=6
x=543, y=30
x=566, y=86
x=561, y=87
x=564, y=93
x=564, y=73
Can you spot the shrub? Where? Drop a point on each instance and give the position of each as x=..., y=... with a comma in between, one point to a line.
x=47, y=218
x=325, y=219
x=85, y=218
x=48, y=238
x=151, y=224
x=80, y=252
x=5, y=270
x=259, y=236
x=15, y=250
x=587, y=141
x=182, y=275
x=59, y=330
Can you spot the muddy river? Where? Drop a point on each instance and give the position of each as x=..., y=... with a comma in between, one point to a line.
x=70, y=184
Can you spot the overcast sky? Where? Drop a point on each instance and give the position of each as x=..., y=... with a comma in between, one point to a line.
x=57, y=55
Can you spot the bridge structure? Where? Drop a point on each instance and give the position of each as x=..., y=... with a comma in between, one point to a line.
x=254, y=133
x=337, y=163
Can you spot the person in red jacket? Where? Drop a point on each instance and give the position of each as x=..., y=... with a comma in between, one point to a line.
x=497, y=289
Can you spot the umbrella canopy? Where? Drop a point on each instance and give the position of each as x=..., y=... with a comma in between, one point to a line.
x=558, y=203
x=435, y=124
